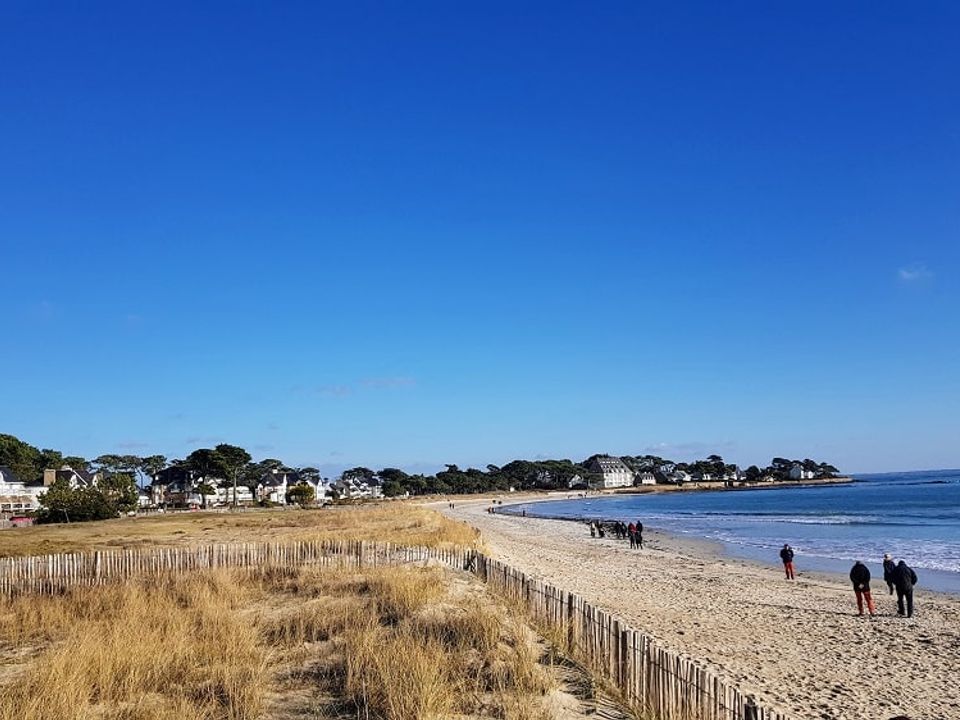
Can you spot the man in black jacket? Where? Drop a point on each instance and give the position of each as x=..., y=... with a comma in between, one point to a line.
x=888, y=568
x=860, y=577
x=904, y=578
x=786, y=555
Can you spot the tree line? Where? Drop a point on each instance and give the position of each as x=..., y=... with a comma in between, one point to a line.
x=235, y=466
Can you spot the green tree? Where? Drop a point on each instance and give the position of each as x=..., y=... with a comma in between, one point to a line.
x=205, y=489
x=360, y=473
x=827, y=470
x=130, y=464
x=109, y=464
x=22, y=458
x=206, y=463
x=120, y=491
x=50, y=459
x=152, y=464
x=77, y=463
x=233, y=459
x=61, y=503
x=309, y=474
x=302, y=494
x=392, y=488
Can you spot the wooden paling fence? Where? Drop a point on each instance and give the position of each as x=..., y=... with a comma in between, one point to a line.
x=657, y=683
x=50, y=574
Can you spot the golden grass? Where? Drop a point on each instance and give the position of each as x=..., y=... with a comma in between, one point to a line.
x=398, y=522
x=399, y=643
x=114, y=648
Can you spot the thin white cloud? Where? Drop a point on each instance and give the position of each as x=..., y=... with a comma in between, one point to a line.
x=691, y=449
x=132, y=445
x=379, y=383
x=335, y=390
x=914, y=272
x=211, y=439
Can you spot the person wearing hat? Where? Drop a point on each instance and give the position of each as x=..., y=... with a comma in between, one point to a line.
x=786, y=555
x=904, y=578
x=888, y=566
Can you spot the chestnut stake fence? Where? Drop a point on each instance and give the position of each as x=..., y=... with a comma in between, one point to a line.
x=654, y=682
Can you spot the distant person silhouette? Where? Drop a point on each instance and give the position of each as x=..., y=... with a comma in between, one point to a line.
x=786, y=555
x=904, y=578
x=860, y=577
x=888, y=567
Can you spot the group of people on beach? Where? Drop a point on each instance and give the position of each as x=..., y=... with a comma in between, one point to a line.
x=622, y=531
x=897, y=575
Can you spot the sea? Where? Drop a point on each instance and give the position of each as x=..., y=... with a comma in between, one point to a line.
x=914, y=516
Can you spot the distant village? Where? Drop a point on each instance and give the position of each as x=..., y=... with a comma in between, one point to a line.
x=48, y=486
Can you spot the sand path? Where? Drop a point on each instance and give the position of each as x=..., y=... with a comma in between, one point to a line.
x=798, y=645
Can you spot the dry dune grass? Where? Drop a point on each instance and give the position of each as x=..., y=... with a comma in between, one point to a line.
x=172, y=646
x=399, y=522
x=402, y=643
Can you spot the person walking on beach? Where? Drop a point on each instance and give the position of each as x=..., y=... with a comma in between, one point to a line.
x=632, y=532
x=904, y=578
x=860, y=577
x=787, y=556
x=888, y=567
x=593, y=529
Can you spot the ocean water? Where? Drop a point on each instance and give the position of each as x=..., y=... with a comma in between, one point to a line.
x=913, y=516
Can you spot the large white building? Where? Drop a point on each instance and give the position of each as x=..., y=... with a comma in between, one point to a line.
x=17, y=496
x=612, y=471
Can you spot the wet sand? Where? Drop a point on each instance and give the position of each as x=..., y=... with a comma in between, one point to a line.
x=799, y=646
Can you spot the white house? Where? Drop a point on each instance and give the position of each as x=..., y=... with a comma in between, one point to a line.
x=17, y=496
x=646, y=478
x=576, y=482
x=74, y=478
x=734, y=475
x=275, y=485
x=224, y=495
x=176, y=486
x=613, y=472
x=357, y=488
x=678, y=477
x=798, y=473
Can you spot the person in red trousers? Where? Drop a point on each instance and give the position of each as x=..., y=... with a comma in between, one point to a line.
x=787, y=556
x=860, y=577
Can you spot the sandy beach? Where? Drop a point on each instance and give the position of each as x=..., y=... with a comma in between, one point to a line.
x=797, y=645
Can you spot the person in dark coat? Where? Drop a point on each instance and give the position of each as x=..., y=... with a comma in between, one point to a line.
x=786, y=555
x=860, y=577
x=904, y=578
x=888, y=567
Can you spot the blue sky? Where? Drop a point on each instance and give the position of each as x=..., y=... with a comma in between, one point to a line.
x=416, y=233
